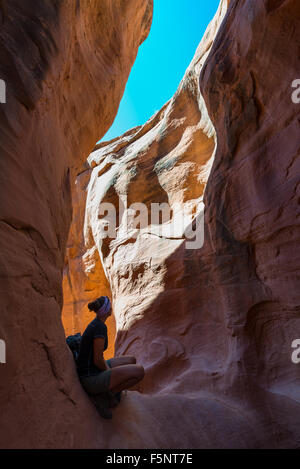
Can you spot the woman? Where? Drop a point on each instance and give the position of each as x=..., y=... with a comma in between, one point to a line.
x=105, y=379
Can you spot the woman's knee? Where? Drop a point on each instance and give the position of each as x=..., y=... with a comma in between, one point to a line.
x=139, y=372
x=122, y=361
x=127, y=376
x=131, y=359
x=135, y=372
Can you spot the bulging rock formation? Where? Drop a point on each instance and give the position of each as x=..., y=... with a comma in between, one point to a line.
x=252, y=203
x=83, y=279
x=65, y=65
x=166, y=161
x=212, y=324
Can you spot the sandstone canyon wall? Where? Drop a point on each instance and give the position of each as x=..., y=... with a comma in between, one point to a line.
x=65, y=64
x=83, y=278
x=214, y=325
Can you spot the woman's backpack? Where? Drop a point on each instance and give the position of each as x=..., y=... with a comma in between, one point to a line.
x=74, y=342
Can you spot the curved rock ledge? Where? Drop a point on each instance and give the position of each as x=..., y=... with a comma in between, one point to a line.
x=213, y=326
x=65, y=64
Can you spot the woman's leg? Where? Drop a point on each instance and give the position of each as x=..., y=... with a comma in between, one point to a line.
x=123, y=360
x=125, y=376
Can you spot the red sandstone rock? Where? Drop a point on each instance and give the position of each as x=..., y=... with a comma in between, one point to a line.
x=84, y=279
x=167, y=160
x=252, y=210
x=212, y=326
x=65, y=64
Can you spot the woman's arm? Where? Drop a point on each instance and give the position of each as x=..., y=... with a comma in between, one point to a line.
x=98, y=354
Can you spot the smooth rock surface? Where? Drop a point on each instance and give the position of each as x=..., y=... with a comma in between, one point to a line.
x=84, y=279
x=65, y=64
x=213, y=326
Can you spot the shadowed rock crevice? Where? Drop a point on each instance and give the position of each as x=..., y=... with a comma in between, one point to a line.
x=213, y=326
x=64, y=82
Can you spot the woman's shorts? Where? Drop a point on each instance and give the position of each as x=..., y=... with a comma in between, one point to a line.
x=97, y=384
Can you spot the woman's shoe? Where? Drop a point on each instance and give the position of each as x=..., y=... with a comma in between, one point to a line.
x=114, y=399
x=101, y=402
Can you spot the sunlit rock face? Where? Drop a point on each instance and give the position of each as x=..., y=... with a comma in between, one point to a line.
x=251, y=253
x=146, y=260
x=171, y=156
x=65, y=65
x=213, y=325
x=84, y=279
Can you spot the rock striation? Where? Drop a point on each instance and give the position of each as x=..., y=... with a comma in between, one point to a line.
x=65, y=65
x=213, y=325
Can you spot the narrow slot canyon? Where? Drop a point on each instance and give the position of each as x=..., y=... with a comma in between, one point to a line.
x=212, y=318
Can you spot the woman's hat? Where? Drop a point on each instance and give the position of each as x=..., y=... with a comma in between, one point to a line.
x=104, y=308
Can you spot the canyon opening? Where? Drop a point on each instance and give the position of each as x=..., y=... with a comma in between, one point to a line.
x=150, y=277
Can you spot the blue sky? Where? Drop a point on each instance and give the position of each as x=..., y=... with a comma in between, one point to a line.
x=177, y=28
